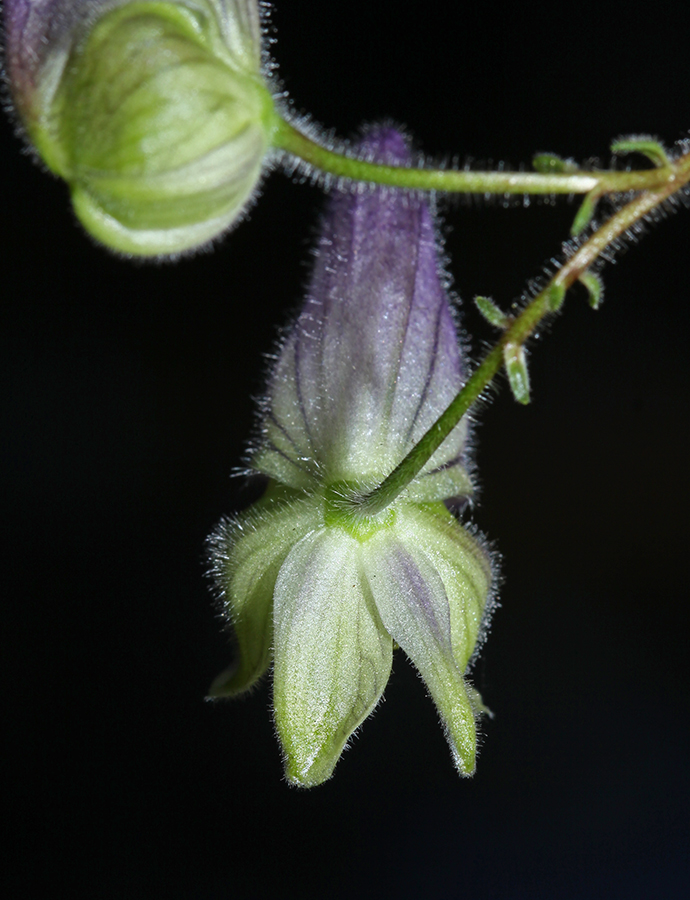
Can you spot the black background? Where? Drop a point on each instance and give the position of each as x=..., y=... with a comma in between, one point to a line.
x=126, y=400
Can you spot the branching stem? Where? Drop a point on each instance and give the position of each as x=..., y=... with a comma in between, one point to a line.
x=518, y=330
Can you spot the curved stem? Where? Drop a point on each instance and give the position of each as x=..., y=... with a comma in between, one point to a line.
x=517, y=332
x=287, y=137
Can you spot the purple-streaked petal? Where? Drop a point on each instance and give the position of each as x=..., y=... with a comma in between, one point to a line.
x=373, y=358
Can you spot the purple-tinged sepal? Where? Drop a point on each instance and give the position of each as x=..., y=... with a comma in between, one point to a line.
x=156, y=114
x=370, y=363
x=430, y=581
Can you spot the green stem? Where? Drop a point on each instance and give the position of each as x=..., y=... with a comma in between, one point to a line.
x=517, y=332
x=287, y=137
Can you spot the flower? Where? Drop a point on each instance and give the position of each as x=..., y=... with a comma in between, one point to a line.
x=310, y=583
x=155, y=114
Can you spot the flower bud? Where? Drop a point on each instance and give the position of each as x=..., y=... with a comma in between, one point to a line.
x=155, y=113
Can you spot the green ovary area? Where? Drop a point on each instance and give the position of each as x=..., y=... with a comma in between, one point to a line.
x=341, y=511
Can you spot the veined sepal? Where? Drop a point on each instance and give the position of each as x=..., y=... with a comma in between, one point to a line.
x=246, y=553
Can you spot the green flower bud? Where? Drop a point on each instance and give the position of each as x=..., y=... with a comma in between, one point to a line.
x=159, y=119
